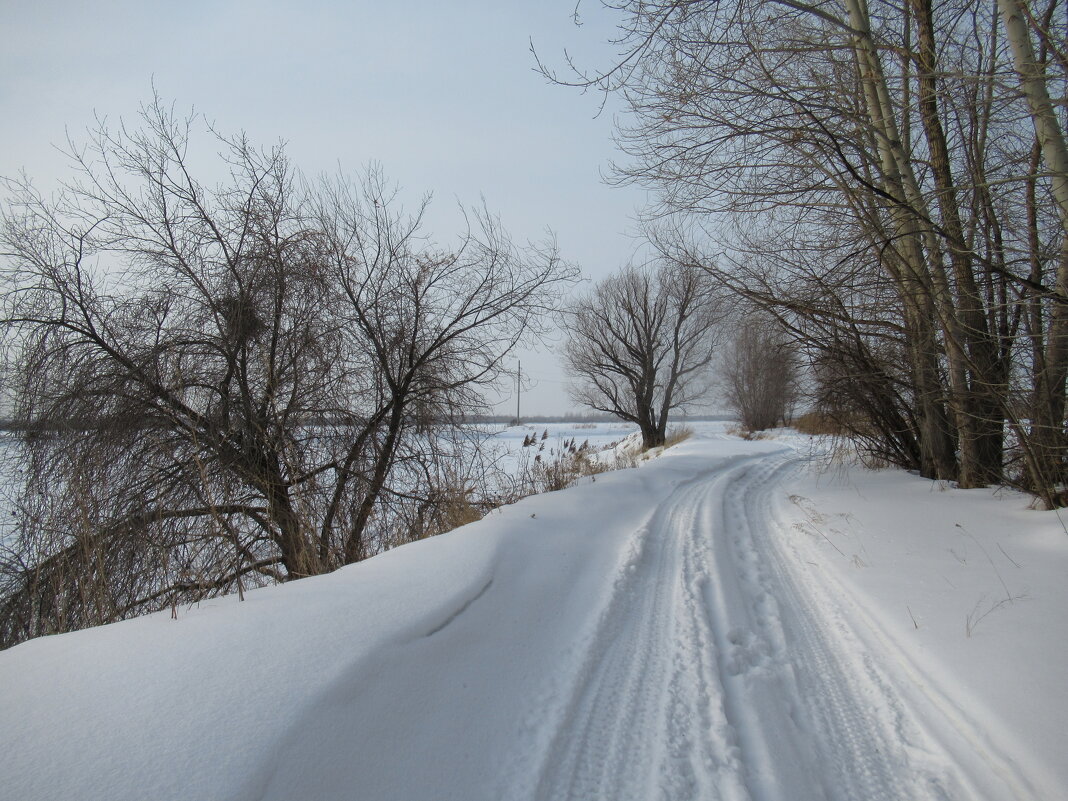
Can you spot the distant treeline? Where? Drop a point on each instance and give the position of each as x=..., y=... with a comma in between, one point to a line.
x=11, y=424
x=504, y=419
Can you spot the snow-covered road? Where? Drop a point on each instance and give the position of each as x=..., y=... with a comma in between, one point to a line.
x=716, y=674
x=660, y=633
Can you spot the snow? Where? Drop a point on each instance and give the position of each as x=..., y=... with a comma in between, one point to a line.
x=964, y=593
x=730, y=620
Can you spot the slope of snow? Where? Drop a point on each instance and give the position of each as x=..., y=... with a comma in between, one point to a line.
x=694, y=627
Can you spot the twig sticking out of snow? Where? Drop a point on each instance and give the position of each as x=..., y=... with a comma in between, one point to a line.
x=1004, y=586
x=973, y=618
x=1007, y=556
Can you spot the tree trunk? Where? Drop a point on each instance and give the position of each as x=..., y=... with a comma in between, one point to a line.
x=653, y=434
x=356, y=542
x=298, y=551
x=922, y=283
x=1047, y=425
x=976, y=356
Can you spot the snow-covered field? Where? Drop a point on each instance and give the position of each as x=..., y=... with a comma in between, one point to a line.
x=731, y=620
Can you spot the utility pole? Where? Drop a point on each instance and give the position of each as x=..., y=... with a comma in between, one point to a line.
x=518, y=389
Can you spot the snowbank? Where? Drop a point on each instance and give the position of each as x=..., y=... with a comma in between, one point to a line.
x=446, y=668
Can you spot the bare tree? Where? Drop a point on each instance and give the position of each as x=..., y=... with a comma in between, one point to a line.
x=228, y=386
x=759, y=371
x=902, y=203
x=639, y=345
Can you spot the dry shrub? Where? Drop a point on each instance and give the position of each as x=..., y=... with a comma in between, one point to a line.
x=819, y=424
x=760, y=373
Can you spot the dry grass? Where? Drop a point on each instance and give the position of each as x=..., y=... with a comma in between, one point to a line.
x=457, y=510
x=748, y=434
x=548, y=470
x=677, y=434
x=819, y=424
x=446, y=509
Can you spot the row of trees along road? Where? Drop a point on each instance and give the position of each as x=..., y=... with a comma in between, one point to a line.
x=888, y=180
x=224, y=386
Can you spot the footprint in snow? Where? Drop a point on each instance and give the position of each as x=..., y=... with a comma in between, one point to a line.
x=746, y=651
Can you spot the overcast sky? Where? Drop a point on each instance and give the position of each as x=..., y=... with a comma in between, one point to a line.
x=443, y=94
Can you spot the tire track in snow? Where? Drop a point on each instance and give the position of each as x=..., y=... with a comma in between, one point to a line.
x=711, y=675
x=631, y=727
x=812, y=725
